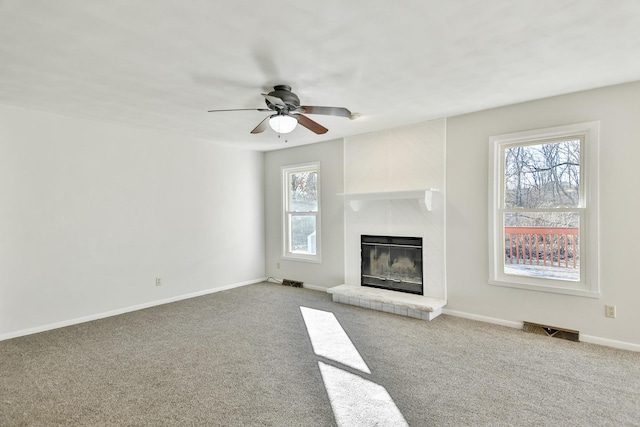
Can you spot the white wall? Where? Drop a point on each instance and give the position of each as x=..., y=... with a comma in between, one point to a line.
x=618, y=110
x=330, y=272
x=91, y=214
x=407, y=158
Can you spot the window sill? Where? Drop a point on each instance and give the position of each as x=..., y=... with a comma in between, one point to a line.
x=314, y=259
x=546, y=288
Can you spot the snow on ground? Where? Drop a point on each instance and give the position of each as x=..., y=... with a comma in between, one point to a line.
x=558, y=273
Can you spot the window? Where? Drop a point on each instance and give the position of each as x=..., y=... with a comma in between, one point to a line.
x=543, y=202
x=301, y=218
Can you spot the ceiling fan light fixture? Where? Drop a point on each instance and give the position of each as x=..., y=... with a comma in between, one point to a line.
x=286, y=112
x=283, y=123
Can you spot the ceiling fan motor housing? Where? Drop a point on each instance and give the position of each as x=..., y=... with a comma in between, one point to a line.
x=284, y=93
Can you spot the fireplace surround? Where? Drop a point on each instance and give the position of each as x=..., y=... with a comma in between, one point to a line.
x=392, y=262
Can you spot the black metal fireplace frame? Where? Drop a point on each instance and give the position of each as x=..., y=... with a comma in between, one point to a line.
x=391, y=283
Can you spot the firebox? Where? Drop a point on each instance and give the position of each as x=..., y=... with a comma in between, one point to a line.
x=392, y=262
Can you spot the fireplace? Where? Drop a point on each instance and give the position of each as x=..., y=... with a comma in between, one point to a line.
x=392, y=262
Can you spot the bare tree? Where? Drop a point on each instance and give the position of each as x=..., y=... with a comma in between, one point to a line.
x=544, y=175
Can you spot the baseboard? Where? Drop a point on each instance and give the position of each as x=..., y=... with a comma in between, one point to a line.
x=610, y=343
x=304, y=285
x=315, y=287
x=495, y=321
x=77, y=320
x=518, y=325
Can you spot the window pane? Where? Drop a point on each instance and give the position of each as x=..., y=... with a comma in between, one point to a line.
x=544, y=245
x=543, y=175
x=303, y=233
x=303, y=188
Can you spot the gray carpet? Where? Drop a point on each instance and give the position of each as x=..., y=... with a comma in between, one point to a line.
x=243, y=358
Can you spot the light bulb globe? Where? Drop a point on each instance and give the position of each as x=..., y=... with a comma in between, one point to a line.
x=283, y=123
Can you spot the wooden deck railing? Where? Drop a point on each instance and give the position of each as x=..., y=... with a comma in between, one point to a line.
x=547, y=246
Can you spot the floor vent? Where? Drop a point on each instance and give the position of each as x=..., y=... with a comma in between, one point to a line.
x=551, y=331
x=294, y=283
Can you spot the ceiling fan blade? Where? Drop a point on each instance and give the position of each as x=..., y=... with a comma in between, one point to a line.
x=327, y=111
x=274, y=100
x=240, y=109
x=262, y=126
x=310, y=124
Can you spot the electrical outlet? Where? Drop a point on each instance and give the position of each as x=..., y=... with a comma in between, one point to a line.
x=610, y=311
x=158, y=281
x=278, y=265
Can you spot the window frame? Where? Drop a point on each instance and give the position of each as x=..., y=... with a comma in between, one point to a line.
x=287, y=254
x=588, y=208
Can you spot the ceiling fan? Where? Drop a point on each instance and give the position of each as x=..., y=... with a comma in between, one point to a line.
x=288, y=112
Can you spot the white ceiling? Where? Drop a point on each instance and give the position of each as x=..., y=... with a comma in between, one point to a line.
x=161, y=64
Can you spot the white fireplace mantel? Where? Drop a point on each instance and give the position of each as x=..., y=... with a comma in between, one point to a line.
x=423, y=196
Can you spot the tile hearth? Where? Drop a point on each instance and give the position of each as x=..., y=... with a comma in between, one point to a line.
x=404, y=304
